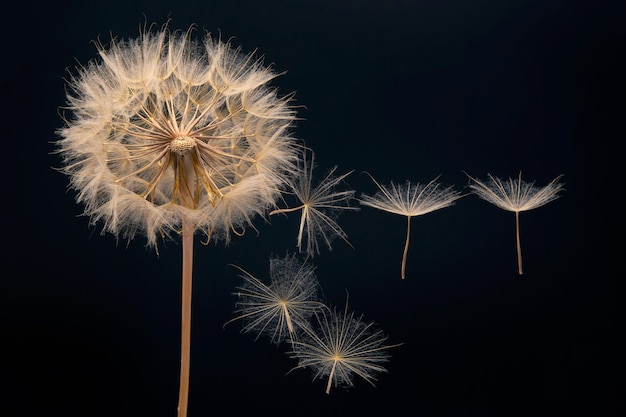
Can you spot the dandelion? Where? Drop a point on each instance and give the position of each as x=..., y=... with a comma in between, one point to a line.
x=282, y=308
x=410, y=200
x=320, y=206
x=516, y=196
x=169, y=135
x=344, y=346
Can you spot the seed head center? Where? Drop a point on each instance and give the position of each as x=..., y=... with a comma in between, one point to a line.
x=181, y=145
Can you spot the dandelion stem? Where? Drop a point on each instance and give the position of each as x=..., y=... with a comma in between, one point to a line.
x=330, y=377
x=286, y=210
x=303, y=218
x=185, y=343
x=288, y=320
x=406, y=246
x=519, y=245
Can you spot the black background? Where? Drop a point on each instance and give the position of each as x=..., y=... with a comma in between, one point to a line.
x=402, y=90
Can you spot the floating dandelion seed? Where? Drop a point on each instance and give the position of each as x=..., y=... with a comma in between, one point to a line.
x=343, y=346
x=320, y=206
x=169, y=135
x=410, y=200
x=282, y=308
x=516, y=196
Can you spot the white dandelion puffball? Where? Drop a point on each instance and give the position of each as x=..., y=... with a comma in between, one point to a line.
x=164, y=129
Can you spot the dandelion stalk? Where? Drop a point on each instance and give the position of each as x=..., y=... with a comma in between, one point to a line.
x=519, y=245
x=406, y=246
x=185, y=339
x=331, y=376
x=187, y=187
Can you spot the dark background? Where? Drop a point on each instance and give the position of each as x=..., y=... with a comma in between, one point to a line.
x=403, y=90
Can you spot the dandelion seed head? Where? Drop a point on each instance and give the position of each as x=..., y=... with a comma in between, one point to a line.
x=165, y=126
